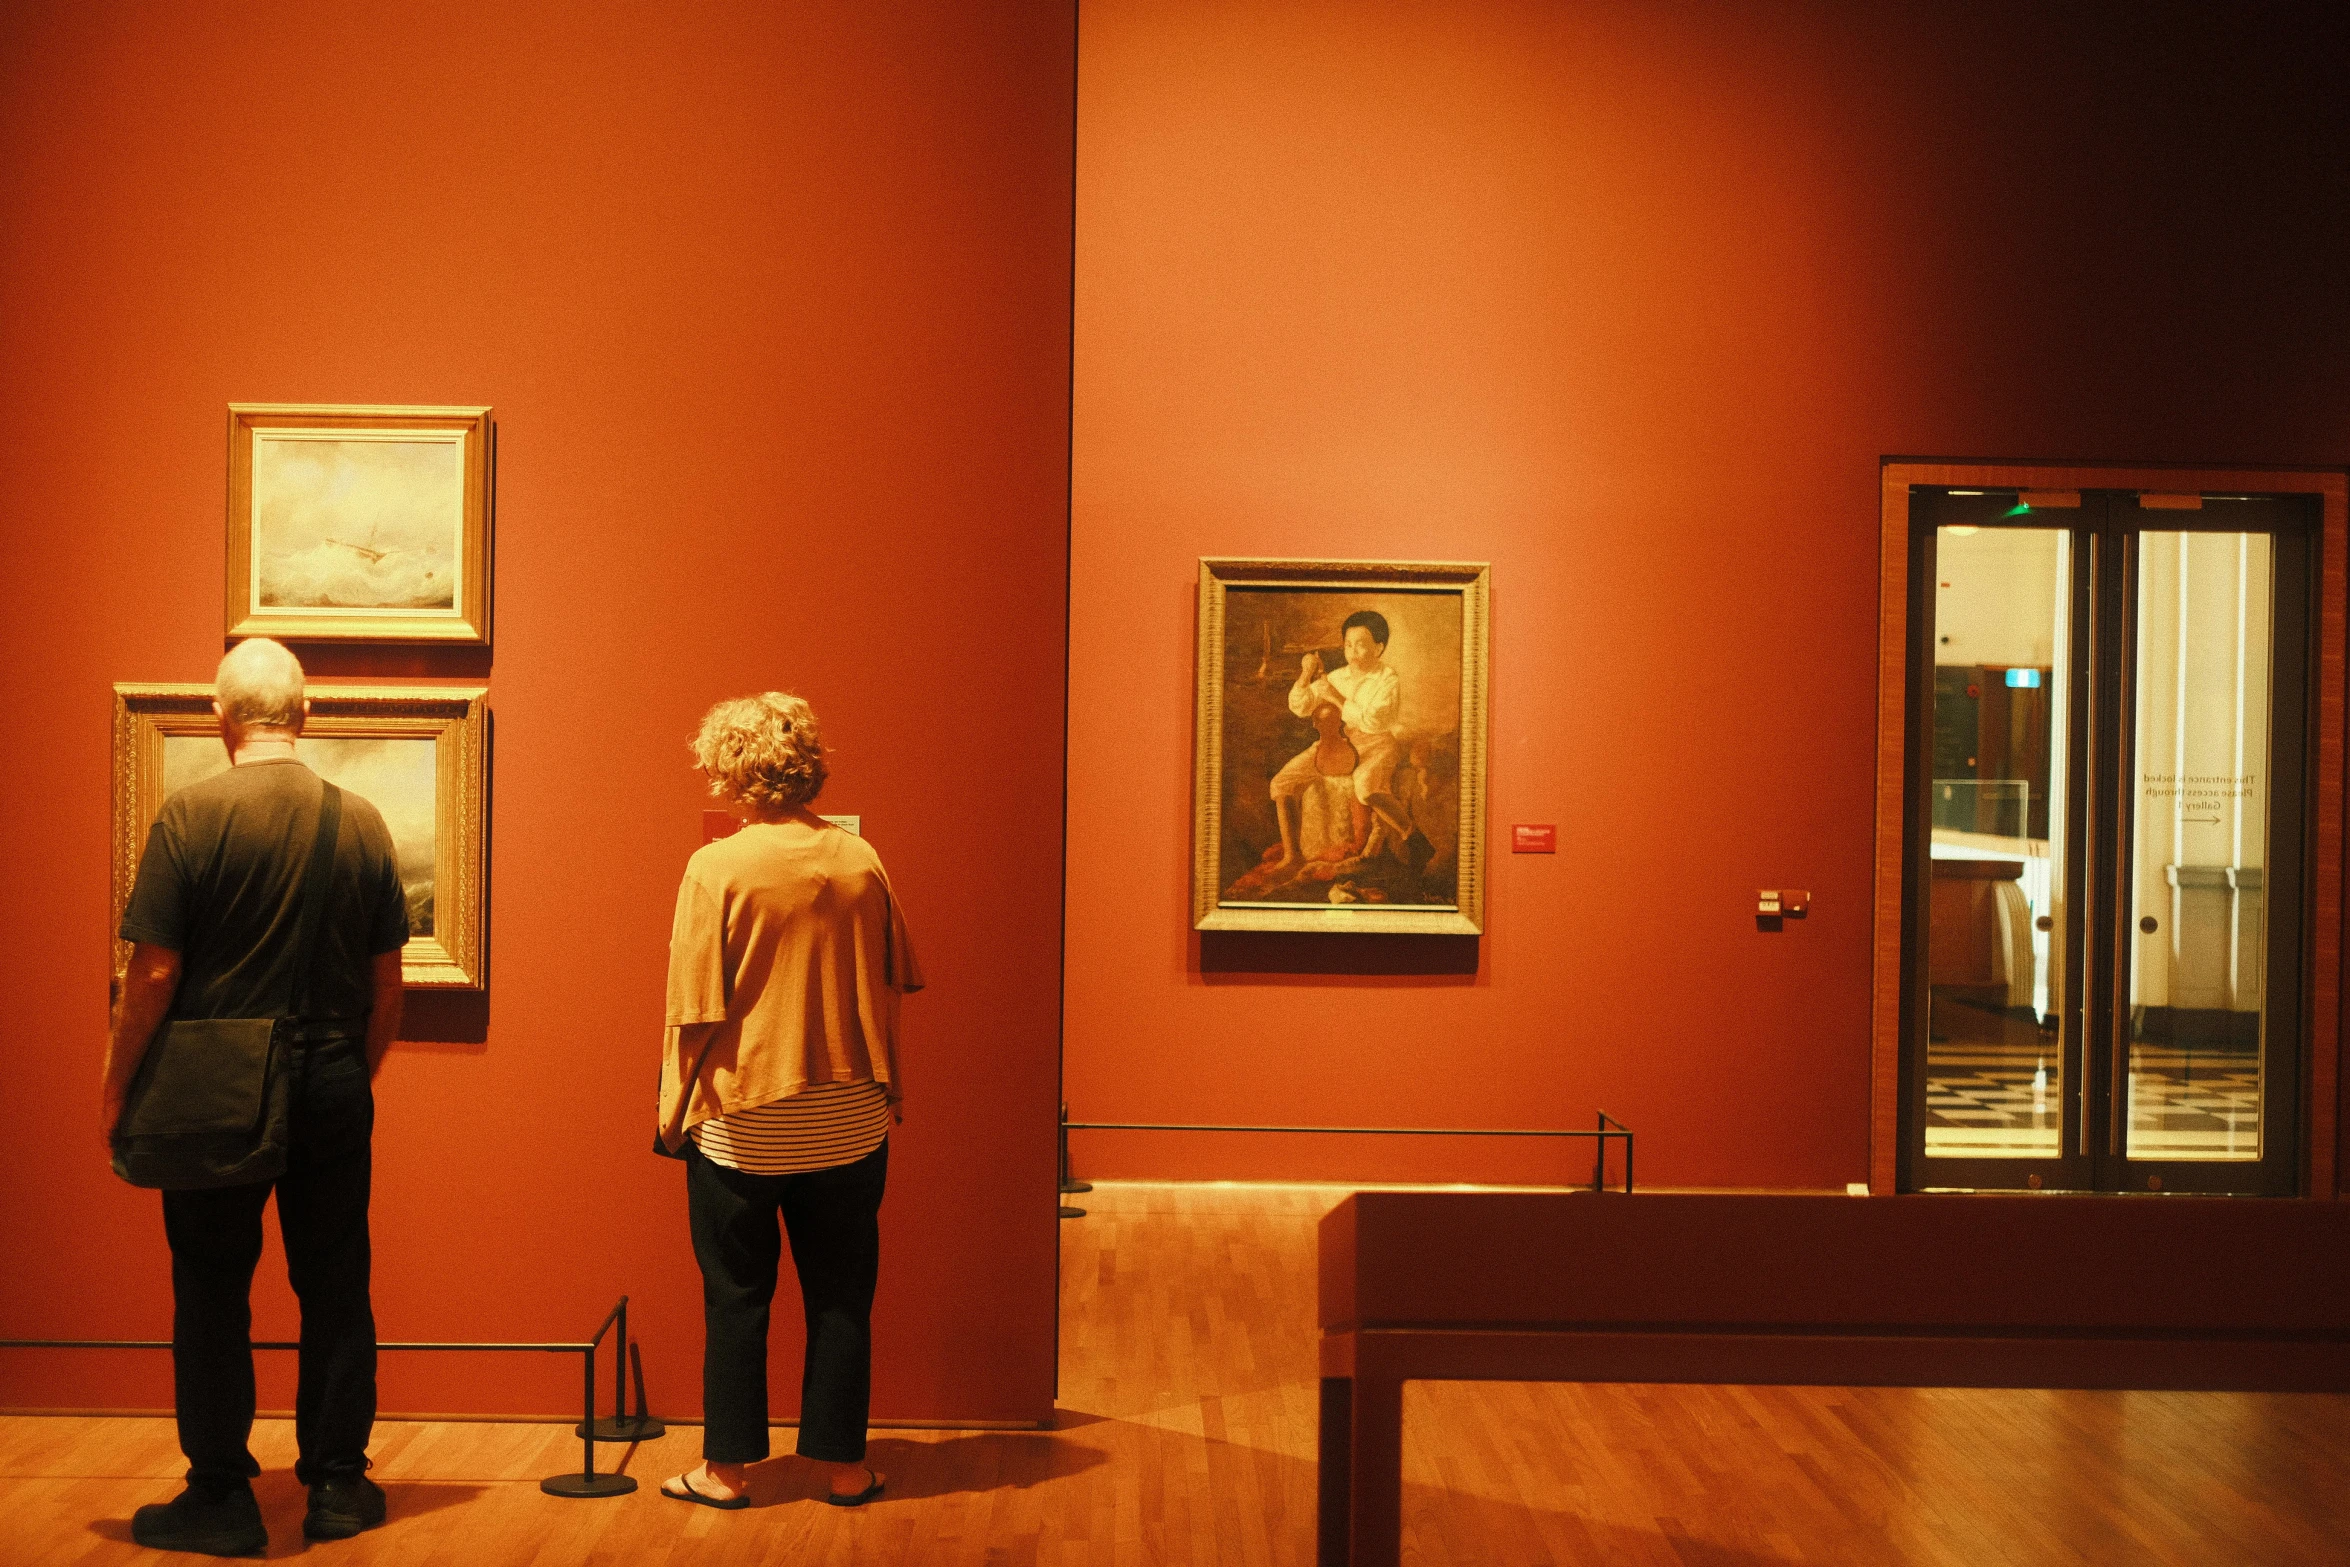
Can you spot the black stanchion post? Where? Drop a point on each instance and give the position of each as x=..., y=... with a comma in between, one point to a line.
x=1069, y=1180
x=587, y=1482
x=1068, y=1184
x=623, y=1426
x=646, y=1426
x=1610, y=1127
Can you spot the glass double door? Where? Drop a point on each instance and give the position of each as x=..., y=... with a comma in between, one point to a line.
x=2103, y=925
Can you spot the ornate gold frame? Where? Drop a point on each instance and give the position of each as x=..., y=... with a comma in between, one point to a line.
x=468, y=621
x=456, y=716
x=1472, y=581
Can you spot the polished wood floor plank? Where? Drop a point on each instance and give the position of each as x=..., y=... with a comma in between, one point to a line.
x=1189, y=1402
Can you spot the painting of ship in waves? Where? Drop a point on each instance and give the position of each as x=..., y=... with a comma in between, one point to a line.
x=356, y=524
x=351, y=523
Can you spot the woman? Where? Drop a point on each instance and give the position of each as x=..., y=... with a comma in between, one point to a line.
x=779, y=1084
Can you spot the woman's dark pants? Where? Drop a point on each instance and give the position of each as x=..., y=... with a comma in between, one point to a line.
x=833, y=1219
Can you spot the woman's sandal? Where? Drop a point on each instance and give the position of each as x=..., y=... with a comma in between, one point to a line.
x=860, y=1498
x=687, y=1493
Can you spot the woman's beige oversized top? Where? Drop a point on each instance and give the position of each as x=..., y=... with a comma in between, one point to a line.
x=789, y=939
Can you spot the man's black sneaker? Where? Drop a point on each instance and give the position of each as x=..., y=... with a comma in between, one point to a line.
x=341, y=1506
x=216, y=1526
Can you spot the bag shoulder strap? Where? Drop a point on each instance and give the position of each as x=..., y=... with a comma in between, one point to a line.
x=317, y=885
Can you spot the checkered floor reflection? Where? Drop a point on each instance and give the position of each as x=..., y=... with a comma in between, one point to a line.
x=1992, y=1101
x=2004, y=1101
x=2193, y=1105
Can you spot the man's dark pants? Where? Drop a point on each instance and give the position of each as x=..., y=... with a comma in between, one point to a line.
x=216, y=1243
x=833, y=1218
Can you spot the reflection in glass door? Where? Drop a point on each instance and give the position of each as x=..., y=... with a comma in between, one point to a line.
x=2107, y=744
x=2200, y=847
x=1995, y=1067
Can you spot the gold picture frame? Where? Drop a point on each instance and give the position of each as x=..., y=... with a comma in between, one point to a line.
x=358, y=736
x=1301, y=821
x=359, y=523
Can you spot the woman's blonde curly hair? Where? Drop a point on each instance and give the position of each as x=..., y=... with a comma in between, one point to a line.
x=762, y=750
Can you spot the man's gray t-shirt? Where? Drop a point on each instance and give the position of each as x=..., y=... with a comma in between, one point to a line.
x=220, y=883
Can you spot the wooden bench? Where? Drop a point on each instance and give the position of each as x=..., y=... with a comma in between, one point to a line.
x=2191, y=1293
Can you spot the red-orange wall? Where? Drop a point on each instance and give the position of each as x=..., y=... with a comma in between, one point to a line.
x=1629, y=300
x=773, y=306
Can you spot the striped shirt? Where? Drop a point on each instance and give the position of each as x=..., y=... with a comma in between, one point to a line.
x=823, y=1125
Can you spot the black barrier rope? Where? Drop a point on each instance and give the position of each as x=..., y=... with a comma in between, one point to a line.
x=1608, y=1130
x=621, y=1427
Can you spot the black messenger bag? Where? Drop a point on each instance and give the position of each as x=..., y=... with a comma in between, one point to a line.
x=209, y=1103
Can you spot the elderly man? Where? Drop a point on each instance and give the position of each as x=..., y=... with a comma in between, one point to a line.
x=212, y=920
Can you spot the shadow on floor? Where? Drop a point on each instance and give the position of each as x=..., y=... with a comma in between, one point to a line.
x=1442, y=1527
x=1445, y=1528
x=971, y=1462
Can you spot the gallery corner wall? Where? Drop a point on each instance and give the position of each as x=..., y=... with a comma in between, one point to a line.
x=772, y=304
x=1629, y=301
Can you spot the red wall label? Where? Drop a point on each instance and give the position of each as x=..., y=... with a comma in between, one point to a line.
x=1534, y=840
x=719, y=824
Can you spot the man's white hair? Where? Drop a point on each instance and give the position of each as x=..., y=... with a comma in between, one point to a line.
x=259, y=686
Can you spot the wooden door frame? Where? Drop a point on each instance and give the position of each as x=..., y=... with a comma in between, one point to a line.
x=2323, y=1111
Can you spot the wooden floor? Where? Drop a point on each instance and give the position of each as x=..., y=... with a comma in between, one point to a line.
x=1188, y=1399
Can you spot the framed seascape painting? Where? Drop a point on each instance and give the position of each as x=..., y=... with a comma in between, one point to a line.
x=359, y=524
x=1340, y=779
x=419, y=754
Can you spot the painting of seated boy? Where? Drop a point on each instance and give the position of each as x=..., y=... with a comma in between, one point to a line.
x=1341, y=756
